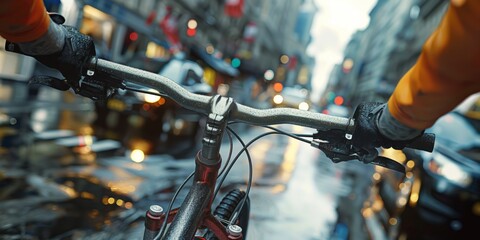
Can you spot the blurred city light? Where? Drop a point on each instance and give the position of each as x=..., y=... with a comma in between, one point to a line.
x=278, y=99
x=338, y=100
x=209, y=49
x=150, y=98
x=236, y=62
x=191, y=27
x=303, y=106
x=137, y=156
x=133, y=36
x=347, y=65
x=284, y=59
x=191, y=32
x=192, y=23
x=277, y=87
x=269, y=74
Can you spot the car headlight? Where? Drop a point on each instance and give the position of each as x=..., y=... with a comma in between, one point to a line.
x=443, y=166
x=277, y=99
x=303, y=106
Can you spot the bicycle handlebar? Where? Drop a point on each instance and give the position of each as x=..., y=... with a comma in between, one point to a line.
x=338, y=130
x=201, y=103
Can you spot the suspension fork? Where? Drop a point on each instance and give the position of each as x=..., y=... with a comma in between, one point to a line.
x=196, y=209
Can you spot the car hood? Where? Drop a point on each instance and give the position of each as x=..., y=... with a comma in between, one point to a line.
x=458, y=156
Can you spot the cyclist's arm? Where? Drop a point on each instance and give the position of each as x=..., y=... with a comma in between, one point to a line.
x=447, y=71
x=27, y=22
x=23, y=20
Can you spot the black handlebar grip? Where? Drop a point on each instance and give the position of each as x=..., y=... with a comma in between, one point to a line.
x=426, y=142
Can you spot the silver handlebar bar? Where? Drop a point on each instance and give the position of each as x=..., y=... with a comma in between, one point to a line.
x=201, y=103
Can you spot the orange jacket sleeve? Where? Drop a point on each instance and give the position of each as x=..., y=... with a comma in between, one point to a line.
x=447, y=71
x=23, y=20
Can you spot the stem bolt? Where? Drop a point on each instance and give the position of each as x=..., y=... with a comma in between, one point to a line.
x=155, y=210
x=234, y=230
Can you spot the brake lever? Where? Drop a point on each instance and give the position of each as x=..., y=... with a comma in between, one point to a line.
x=388, y=163
x=96, y=90
x=49, y=81
x=336, y=146
x=337, y=154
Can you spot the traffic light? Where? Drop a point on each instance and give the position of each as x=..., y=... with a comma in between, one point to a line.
x=192, y=27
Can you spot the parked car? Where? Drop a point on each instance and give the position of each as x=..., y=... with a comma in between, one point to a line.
x=337, y=110
x=293, y=97
x=183, y=128
x=439, y=196
x=151, y=123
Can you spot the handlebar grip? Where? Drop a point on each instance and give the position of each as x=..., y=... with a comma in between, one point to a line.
x=426, y=142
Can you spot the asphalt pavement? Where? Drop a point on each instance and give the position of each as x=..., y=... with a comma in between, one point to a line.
x=296, y=189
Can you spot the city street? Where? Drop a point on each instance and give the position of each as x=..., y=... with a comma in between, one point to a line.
x=295, y=190
x=294, y=195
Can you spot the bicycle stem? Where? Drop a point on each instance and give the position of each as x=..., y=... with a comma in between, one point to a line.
x=208, y=162
x=215, y=127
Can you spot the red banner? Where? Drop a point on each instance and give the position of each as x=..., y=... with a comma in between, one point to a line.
x=234, y=8
x=169, y=27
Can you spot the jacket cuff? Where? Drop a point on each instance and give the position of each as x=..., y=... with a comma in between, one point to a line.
x=392, y=129
x=50, y=42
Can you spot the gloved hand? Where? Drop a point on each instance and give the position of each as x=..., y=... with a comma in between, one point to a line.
x=371, y=131
x=77, y=50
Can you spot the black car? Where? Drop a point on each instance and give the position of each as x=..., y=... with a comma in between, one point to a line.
x=439, y=196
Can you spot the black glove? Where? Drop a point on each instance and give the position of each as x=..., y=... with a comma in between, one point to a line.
x=367, y=135
x=77, y=50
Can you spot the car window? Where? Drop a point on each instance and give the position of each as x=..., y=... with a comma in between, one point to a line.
x=456, y=129
x=173, y=71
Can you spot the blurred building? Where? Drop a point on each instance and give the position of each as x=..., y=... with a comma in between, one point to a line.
x=374, y=60
x=250, y=35
x=235, y=41
x=342, y=80
x=377, y=57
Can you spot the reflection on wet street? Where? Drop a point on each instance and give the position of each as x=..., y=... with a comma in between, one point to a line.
x=74, y=194
x=295, y=189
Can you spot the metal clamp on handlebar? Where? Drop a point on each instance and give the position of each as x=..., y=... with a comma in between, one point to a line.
x=98, y=86
x=334, y=143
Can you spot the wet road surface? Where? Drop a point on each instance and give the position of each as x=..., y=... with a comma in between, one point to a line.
x=295, y=188
x=294, y=194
